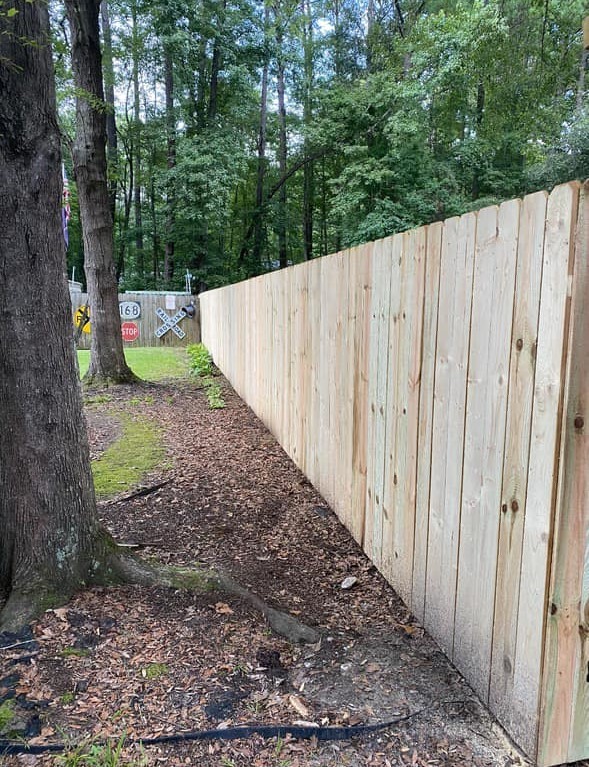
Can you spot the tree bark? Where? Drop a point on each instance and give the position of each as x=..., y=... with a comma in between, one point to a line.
x=282, y=148
x=139, y=247
x=171, y=162
x=50, y=540
x=261, y=169
x=308, y=170
x=107, y=359
x=112, y=151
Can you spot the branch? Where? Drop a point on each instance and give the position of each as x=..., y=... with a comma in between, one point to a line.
x=273, y=190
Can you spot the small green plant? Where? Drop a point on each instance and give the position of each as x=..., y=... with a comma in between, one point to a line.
x=98, y=399
x=201, y=363
x=214, y=396
x=6, y=714
x=67, y=698
x=202, y=367
x=75, y=652
x=92, y=754
x=154, y=670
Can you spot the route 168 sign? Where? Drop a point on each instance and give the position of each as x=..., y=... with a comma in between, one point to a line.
x=129, y=310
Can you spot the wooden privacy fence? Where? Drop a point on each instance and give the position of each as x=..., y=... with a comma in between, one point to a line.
x=434, y=386
x=140, y=319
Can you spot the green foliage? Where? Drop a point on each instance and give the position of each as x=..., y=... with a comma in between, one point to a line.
x=124, y=463
x=420, y=112
x=214, y=395
x=6, y=715
x=154, y=671
x=201, y=363
x=74, y=652
x=93, y=754
x=202, y=367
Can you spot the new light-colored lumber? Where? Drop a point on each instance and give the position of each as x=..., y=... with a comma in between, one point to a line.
x=488, y=372
x=457, y=265
x=564, y=725
x=361, y=406
x=426, y=408
x=515, y=470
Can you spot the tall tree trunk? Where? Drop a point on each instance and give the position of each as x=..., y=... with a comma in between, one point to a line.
x=112, y=152
x=216, y=64
x=201, y=84
x=50, y=539
x=171, y=162
x=137, y=146
x=107, y=359
x=261, y=169
x=308, y=170
x=480, y=111
x=282, y=148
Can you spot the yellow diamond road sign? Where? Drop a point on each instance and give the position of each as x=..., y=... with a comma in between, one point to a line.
x=82, y=318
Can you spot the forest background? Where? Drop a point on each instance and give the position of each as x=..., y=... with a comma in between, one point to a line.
x=245, y=135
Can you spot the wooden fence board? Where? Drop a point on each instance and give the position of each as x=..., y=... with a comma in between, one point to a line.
x=456, y=275
x=426, y=409
x=363, y=257
x=515, y=465
x=379, y=342
x=488, y=372
x=563, y=728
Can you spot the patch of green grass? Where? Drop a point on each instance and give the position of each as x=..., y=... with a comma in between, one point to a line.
x=89, y=754
x=6, y=714
x=126, y=461
x=98, y=399
x=75, y=652
x=154, y=670
x=148, y=363
x=67, y=698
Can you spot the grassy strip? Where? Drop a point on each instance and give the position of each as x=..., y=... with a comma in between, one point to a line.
x=123, y=464
x=148, y=363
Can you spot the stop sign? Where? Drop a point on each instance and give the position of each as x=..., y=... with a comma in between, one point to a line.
x=130, y=331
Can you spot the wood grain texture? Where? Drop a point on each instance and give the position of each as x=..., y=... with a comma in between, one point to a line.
x=426, y=409
x=488, y=371
x=457, y=266
x=564, y=722
x=515, y=468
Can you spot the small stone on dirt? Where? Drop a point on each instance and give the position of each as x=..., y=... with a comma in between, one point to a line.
x=348, y=582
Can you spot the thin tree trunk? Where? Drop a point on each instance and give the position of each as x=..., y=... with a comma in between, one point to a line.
x=476, y=179
x=107, y=359
x=137, y=130
x=216, y=64
x=308, y=170
x=112, y=153
x=261, y=169
x=171, y=162
x=50, y=537
x=282, y=149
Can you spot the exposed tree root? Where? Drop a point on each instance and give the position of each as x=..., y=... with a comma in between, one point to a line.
x=133, y=570
x=120, y=567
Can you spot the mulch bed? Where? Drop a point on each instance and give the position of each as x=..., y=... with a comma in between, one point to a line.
x=151, y=662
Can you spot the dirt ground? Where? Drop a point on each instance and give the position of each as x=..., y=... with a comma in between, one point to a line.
x=151, y=662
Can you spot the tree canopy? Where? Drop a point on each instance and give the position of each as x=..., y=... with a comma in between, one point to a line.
x=251, y=134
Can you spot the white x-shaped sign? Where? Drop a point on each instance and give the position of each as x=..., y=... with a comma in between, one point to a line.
x=170, y=323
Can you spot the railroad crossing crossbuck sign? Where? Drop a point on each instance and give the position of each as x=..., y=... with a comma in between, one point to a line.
x=170, y=323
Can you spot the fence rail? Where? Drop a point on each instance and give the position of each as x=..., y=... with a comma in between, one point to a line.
x=139, y=311
x=434, y=387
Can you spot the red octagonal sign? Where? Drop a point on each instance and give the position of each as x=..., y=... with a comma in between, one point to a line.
x=130, y=331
